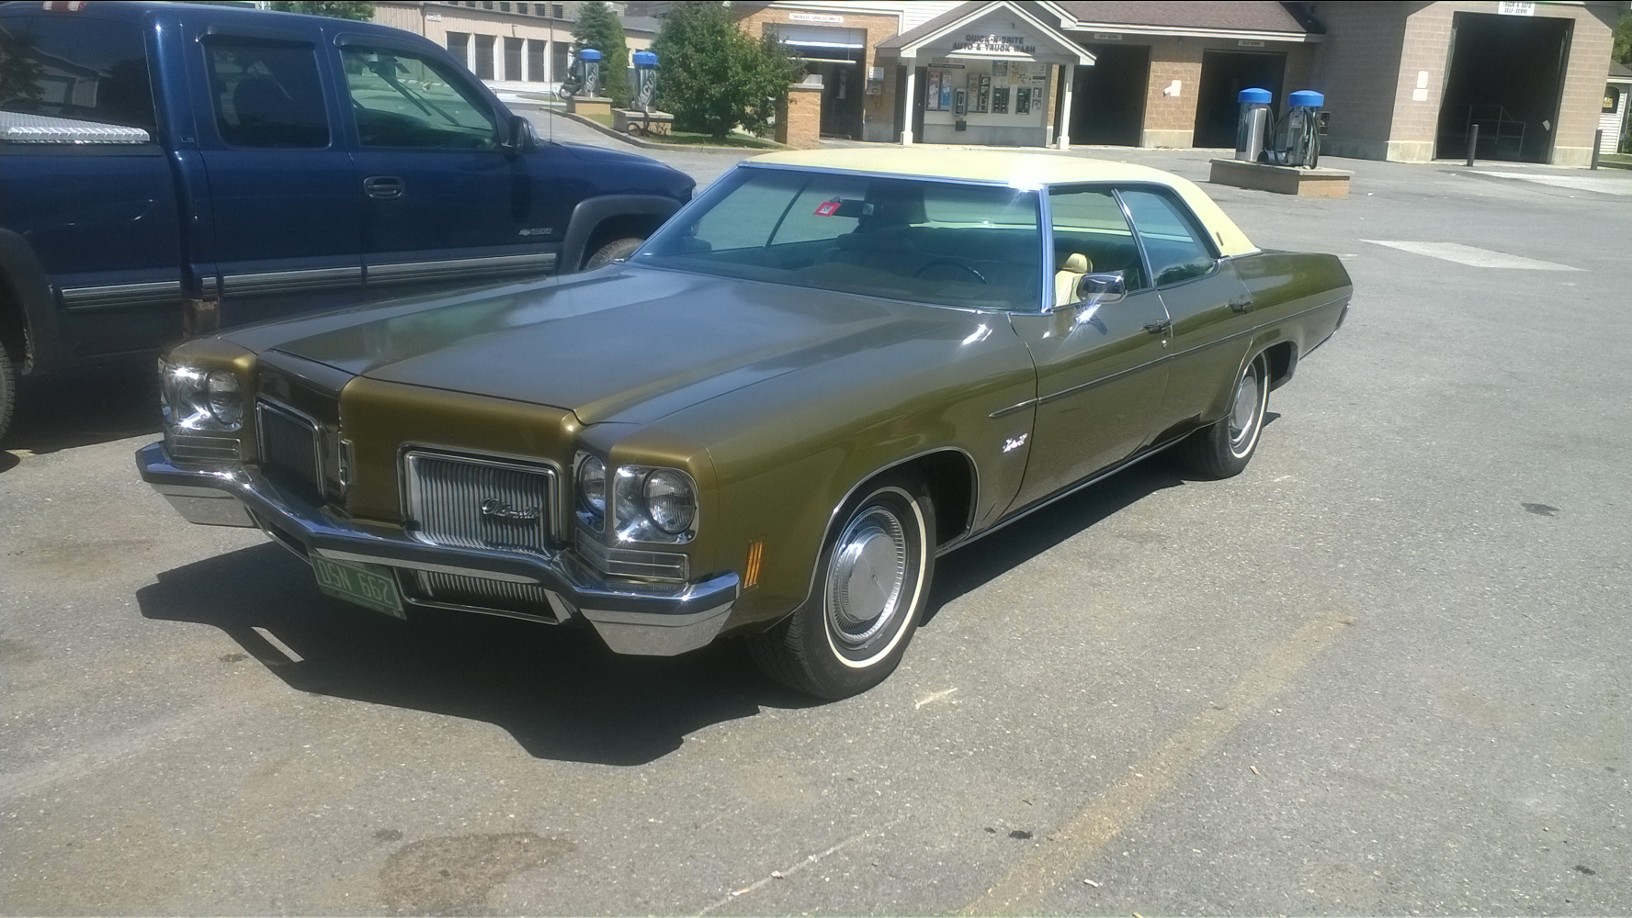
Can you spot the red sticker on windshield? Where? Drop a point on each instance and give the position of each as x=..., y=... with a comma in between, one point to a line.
x=827, y=208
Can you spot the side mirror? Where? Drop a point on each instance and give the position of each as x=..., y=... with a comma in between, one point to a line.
x=1100, y=289
x=519, y=135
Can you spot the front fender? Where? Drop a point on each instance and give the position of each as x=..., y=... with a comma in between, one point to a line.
x=592, y=212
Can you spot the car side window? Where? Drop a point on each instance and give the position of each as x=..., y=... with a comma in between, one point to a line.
x=401, y=99
x=1175, y=247
x=266, y=94
x=1091, y=236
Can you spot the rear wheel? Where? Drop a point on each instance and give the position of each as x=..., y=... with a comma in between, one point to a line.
x=872, y=586
x=1224, y=448
x=614, y=250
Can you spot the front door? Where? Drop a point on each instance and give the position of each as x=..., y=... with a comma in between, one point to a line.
x=286, y=225
x=443, y=203
x=1101, y=369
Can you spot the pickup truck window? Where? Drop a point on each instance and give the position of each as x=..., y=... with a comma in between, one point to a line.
x=403, y=100
x=89, y=70
x=266, y=94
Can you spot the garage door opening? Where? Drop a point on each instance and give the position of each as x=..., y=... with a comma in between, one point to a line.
x=1223, y=75
x=1506, y=75
x=1108, y=100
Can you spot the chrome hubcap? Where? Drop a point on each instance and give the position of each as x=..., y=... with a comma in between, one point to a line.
x=865, y=580
x=1244, y=416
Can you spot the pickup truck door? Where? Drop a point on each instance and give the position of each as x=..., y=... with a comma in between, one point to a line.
x=1101, y=368
x=284, y=214
x=444, y=202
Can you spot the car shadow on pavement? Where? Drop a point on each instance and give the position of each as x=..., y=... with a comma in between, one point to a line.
x=557, y=690
x=80, y=409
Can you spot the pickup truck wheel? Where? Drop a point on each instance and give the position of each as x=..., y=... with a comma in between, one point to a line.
x=1224, y=448
x=872, y=586
x=8, y=390
x=612, y=251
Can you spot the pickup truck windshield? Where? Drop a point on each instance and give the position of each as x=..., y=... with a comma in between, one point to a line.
x=932, y=242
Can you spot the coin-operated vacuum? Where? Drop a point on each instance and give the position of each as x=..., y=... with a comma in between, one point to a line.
x=1296, y=141
x=645, y=80
x=1252, y=127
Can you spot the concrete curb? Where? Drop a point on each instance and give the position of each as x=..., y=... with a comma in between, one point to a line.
x=648, y=144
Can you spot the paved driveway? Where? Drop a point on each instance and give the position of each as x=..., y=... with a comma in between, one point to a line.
x=1383, y=671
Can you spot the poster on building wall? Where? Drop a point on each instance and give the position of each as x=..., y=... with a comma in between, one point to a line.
x=1022, y=101
x=1000, y=100
x=1000, y=69
x=932, y=91
x=946, y=91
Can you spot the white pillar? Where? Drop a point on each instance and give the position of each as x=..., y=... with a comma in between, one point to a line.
x=1064, y=140
x=911, y=103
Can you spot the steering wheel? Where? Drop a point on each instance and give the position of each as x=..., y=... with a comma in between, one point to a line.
x=953, y=263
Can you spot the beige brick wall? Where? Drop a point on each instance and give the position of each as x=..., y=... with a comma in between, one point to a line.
x=877, y=112
x=1170, y=121
x=1358, y=69
x=799, y=118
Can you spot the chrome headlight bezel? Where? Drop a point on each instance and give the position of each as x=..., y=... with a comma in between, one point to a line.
x=631, y=491
x=195, y=399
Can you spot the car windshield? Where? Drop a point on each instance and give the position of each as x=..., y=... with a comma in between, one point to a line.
x=931, y=242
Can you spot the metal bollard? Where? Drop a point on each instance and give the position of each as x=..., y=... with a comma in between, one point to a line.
x=1473, y=143
x=1597, y=144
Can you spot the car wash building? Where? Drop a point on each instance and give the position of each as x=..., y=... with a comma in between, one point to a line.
x=1404, y=81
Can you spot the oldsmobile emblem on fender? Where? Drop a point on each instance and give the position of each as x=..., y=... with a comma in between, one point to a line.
x=499, y=510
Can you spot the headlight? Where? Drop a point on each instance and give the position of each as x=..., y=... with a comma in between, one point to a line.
x=653, y=504
x=591, y=487
x=196, y=399
x=226, y=399
x=671, y=502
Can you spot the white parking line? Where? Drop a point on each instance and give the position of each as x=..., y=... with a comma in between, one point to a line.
x=1471, y=256
x=1593, y=183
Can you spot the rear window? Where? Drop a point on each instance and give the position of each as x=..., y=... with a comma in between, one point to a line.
x=72, y=67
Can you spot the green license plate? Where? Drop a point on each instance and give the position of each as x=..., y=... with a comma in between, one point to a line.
x=368, y=585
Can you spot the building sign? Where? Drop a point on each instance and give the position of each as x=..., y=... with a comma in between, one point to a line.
x=816, y=17
x=1515, y=8
x=995, y=44
x=1107, y=36
x=1249, y=43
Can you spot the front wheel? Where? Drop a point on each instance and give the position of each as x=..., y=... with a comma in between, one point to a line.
x=615, y=250
x=1224, y=448
x=871, y=588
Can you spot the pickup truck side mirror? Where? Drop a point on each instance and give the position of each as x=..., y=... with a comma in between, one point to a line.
x=519, y=135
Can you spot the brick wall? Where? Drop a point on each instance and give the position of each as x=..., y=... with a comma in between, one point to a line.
x=799, y=118
x=1357, y=67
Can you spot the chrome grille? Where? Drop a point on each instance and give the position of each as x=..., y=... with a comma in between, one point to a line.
x=289, y=447
x=524, y=599
x=471, y=502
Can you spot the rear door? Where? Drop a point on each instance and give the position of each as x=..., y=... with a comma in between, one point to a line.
x=443, y=203
x=285, y=204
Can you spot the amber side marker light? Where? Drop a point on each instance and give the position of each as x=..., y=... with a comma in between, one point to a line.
x=756, y=554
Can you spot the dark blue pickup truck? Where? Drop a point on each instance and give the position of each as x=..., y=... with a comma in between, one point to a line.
x=167, y=169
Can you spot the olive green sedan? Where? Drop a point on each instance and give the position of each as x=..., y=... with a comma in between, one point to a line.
x=827, y=371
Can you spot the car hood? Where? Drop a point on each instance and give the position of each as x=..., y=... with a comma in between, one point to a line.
x=626, y=344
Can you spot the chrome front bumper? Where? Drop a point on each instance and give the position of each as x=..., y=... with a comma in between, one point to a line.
x=632, y=617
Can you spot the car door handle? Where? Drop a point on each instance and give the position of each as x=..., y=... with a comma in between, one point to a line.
x=384, y=187
x=1241, y=305
x=1159, y=328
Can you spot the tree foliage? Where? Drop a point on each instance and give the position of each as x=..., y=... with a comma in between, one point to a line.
x=598, y=27
x=339, y=9
x=713, y=76
x=1623, y=39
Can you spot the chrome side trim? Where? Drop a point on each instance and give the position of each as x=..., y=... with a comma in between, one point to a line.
x=291, y=281
x=413, y=271
x=121, y=296
x=1080, y=387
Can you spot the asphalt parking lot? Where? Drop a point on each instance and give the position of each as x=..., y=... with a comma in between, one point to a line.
x=1385, y=670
